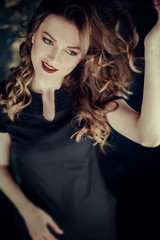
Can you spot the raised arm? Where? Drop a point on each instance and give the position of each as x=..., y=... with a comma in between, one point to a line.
x=149, y=122
x=144, y=127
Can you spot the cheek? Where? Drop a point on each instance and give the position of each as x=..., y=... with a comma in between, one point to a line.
x=71, y=64
x=37, y=49
x=36, y=55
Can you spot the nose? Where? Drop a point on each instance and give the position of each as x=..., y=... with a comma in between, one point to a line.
x=54, y=56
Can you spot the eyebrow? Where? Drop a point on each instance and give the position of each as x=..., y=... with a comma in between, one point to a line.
x=56, y=41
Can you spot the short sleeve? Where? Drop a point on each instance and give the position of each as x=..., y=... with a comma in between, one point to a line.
x=2, y=125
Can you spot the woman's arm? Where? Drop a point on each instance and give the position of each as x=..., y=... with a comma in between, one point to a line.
x=149, y=122
x=7, y=184
x=35, y=218
x=143, y=128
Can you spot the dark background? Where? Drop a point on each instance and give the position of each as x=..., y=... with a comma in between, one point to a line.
x=131, y=171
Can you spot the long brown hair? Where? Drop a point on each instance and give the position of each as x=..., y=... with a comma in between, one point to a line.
x=108, y=38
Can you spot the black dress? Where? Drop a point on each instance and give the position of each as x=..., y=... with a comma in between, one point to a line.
x=60, y=175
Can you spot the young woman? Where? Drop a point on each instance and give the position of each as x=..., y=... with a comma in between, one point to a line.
x=67, y=91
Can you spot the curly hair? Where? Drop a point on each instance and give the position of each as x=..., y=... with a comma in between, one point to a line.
x=108, y=39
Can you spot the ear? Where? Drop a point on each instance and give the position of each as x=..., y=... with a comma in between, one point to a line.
x=32, y=39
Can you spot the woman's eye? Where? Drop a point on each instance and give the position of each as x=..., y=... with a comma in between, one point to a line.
x=72, y=53
x=47, y=41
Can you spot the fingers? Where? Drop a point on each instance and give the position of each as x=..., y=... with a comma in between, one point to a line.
x=44, y=234
x=54, y=226
x=156, y=4
x=49, y=236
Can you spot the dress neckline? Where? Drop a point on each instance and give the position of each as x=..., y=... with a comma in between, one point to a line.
x=63, y=100
x=40, y=94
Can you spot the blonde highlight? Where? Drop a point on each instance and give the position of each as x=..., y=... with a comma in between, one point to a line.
x=103, y=74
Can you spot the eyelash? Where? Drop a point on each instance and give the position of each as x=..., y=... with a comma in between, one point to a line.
x=72, y=53
x=49, y=42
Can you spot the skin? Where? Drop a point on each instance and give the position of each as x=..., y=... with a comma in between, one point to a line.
x=58, y=46
x=142, y=128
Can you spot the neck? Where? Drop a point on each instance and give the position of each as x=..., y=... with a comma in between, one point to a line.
x=44, y=87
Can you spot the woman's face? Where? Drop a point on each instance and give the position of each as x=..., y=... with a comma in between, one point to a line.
x=56, y=50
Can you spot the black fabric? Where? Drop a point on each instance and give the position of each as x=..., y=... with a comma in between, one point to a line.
x=2, y=124
x=60, y=175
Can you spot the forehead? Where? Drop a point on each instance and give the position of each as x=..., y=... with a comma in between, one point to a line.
x=63, y=30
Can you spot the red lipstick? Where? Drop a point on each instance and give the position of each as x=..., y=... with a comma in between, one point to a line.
x=47, y=68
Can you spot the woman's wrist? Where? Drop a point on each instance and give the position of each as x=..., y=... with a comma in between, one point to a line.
x=26, y=208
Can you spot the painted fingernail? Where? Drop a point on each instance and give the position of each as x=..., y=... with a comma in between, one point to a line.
x=156, y=2
x=61, y=231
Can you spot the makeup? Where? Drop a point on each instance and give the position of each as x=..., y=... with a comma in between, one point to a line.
x=47, y=68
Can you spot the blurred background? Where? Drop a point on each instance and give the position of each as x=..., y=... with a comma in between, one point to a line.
x=131, y=171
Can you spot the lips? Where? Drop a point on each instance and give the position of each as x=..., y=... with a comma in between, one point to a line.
x=47, y=68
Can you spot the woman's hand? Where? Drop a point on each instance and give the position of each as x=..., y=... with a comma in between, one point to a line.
x=152, y=40
x=37, y=221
